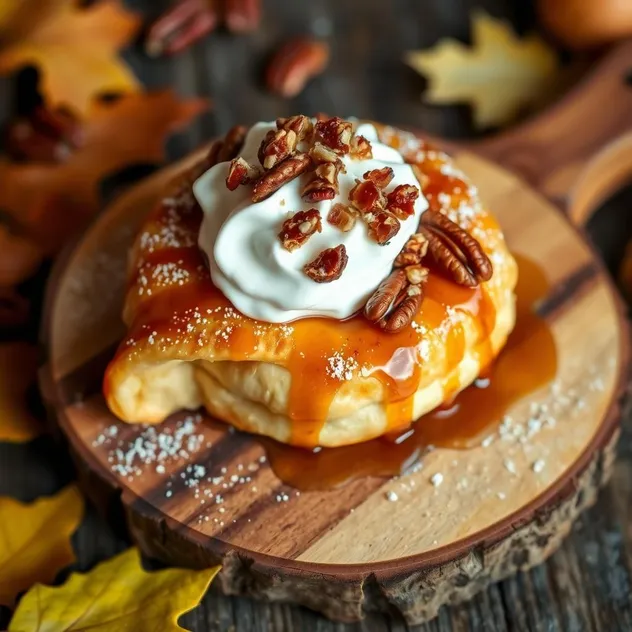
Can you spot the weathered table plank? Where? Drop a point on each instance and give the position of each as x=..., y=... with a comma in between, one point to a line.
x=587, y=584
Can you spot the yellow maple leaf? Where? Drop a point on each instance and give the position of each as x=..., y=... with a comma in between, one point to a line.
x=499, y=75
x=35, y=540
x=18, y=368
x=74, y=47
x=116, y=596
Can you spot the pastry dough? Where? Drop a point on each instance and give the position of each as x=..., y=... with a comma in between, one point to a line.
x=315, y=381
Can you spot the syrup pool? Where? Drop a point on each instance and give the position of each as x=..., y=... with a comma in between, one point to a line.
x=527, y=363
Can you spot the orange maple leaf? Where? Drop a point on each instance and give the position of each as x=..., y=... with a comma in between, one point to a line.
x=74, y=47
x=50, y=202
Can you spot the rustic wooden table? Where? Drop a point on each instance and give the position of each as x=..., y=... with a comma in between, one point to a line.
x=587, y=584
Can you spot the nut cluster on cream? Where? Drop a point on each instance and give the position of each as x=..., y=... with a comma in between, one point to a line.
x=308, y=219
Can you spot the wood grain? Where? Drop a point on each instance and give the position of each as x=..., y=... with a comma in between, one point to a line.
x=321, y=548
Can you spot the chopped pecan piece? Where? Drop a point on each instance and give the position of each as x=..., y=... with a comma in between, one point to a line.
x=301, y=125
x=213, y=152
x=455, y=251
x=382, y=226
x=416, y=274
x=360, y=148
x=297, y=229
x=413, y=252
x=328, y=265
x=380, y=177
x=401, y=200
x=233, y=142
x=342, y=217
x=276, y=177
x=323, y=184
x=335, y=133
x=366, y=197
x=276, y=147
x=319, y=154
x=240, y=172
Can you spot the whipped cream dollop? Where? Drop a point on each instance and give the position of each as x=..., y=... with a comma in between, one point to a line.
x=264, y=280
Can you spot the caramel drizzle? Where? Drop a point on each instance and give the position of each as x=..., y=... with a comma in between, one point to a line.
x=323, y=354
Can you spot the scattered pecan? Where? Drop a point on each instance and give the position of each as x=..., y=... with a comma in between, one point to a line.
x=360, y=148
x=380, y=177
x=366, y=196
x=186, y=22
x=294, y=64
x=385, y=296
x=334, y=133
x=44, y=135
x=319, y=154
x=240, y=172
x=233, y=142
x=328, y=265
x=405, y=311
x=382, y=226
x=301, y=125
x=276, y=177
x=276, y=147
x=297, y=229
x=455, y=251
x=413, y=252
x=401, y=200
x=342, y=217
x=323, y=184
x=242, y=16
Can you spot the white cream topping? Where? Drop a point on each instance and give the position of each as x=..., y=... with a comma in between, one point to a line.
x=265, y=281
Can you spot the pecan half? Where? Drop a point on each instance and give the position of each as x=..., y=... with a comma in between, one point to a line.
x=360, y=148
x=380, y=177
x=319, y=154
x=242, y=16
x=297, y=229
x=384, y=296
x=401, y=200
x=413, y=252
x=240, y=172
x=186, y=22
x=341, y=217
x=328, y=265
x=334, y=133
x=276, y=177
x=233, y=142
x=382, y=225
x=406, y=310
x=366, y=196
x=301, y=125
x=294, y=64
x=455, y=251
x=323, y=184
x=276, y=147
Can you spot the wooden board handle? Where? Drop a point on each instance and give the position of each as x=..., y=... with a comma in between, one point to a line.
x=579, y=152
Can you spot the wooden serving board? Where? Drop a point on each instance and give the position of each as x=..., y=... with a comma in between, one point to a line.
x=407, y=544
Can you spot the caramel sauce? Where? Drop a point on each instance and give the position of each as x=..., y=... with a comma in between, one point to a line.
x=322, y=354
x=528, y=362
